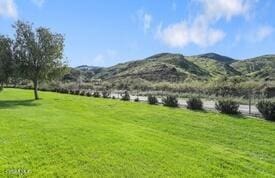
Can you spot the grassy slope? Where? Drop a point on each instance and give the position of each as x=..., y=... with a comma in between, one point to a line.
x=78, y=136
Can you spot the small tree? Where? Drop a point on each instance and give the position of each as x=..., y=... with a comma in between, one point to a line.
x=227, y=106
x=39, y=54
x=6, y=60
x=170, y=101
x=267, y=109
x=152, y=100
x=125, y=96
x=194, y=103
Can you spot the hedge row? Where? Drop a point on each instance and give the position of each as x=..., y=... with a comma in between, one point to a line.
x=226, y=106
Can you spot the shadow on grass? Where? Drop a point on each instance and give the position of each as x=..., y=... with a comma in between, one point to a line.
x=6, y=104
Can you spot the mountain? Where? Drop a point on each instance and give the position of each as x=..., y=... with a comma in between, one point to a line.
x=88, y=68
x=262, y=67
x=216, y=57
x=216, y=65
x=161, y=67
x=178, y=68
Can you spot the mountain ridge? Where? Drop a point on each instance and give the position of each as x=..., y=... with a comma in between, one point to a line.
x=171, y=67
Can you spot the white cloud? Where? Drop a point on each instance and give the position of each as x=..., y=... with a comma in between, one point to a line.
x=39, y=3
x=181, y=34
x=145, y=19
x=217, y=9
x=200, y=30
x=263, y=33
x=8, y=9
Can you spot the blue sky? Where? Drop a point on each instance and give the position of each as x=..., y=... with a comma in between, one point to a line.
x=107, y=32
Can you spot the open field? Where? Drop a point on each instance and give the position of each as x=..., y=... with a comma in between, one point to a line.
x=74, y=136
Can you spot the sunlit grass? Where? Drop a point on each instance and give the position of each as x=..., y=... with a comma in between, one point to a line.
x=74, y=136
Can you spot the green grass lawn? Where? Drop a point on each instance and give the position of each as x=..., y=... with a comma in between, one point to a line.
x=74, y=136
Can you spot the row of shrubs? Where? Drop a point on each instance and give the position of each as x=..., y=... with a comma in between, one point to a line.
x=226, y=106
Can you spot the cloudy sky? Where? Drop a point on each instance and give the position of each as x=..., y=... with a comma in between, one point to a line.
x=106, y=32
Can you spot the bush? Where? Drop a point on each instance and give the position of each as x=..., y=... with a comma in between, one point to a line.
x=64, y=91
x=170, y=101
x=194, y=103
x=88, y=94
x=136, y=100
x=152, y=100
x=267, y=109
x=113, y=97
x=106, y=94
x=227, y=106
x=96, y=94
x=76, y=92
x=125, y=96
x=82, y=93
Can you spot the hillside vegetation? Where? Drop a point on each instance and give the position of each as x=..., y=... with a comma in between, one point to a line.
x=74, y=136
x=167, y=67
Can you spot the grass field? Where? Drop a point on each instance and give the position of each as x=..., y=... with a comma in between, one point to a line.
x=74, y=136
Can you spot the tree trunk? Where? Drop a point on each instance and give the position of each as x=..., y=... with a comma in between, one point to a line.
x=2, y=86
x=35, y=84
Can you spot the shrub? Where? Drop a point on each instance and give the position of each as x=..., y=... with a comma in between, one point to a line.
x=194, y=103
x=227, y=106
x=64, y=91
x=170, y=101
x=82, y=93
x=76, y=92
x=106, y=94
x=96, y=94
x=113, y=97
x=125, y=96
x=152, y=99
x=88, y=94
x=267, y=109
x=136, y=100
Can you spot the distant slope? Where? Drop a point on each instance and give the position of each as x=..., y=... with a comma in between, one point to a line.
x=216, y=65
x=161, y=67
x=216, y=57
x=178, y=68
x=262, y=67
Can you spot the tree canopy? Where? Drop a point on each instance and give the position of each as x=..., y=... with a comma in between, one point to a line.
x=38, y=53
x=6, y=59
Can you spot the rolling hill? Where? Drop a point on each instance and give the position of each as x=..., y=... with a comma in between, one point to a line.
x=170, y=67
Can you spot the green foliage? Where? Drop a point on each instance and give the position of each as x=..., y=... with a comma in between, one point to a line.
x=7, y=63
x=152, y=100
x=76, y=92
x=125, y=96
x=227, y=106
x=170, y=101
x=267, y=109
x=96, y=94
x=194, y=103
x=38, y=53
x=106, y=94
x=88, y=94
x=82, y=93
